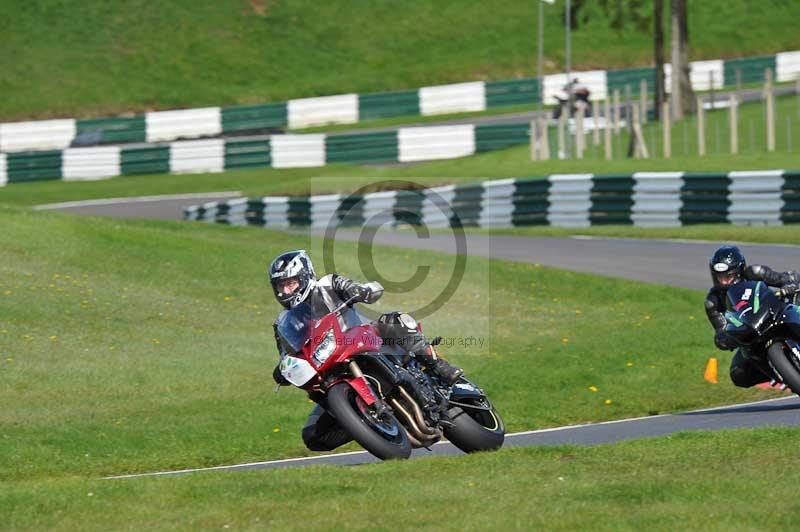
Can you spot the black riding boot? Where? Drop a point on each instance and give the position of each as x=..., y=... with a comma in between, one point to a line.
x=438, y=365
x=403, y=329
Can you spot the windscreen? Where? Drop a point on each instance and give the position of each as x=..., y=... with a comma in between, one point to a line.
x=293, y=327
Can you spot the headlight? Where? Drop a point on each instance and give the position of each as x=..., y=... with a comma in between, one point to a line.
x=325, y=348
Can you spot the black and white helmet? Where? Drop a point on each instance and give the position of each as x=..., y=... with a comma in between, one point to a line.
x=286, y=266
x=727, y=266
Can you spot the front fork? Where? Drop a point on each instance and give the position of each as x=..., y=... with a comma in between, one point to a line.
x=360, y=385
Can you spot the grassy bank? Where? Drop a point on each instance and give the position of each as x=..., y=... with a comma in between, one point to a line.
x=137, y=346
x=93, y=59
x=686, y=482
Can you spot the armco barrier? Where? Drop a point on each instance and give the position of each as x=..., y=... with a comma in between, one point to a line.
x=277, y=151
x=352, y=108
x=647, y=199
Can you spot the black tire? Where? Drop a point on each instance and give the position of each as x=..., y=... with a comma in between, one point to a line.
x=476, y=430
x=385, y=438
x=787, y=370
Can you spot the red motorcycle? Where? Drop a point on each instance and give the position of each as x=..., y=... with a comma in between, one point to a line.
x=379, y=392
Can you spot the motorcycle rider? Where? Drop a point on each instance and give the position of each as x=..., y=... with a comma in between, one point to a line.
x=728, y=267
x=580, y=98
x=293, y=282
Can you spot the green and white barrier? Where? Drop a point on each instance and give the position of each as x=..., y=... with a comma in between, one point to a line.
x=353, y=108
x=278, y=151
x=308, y=112
x=188, y=123
x=80, y=164
x=646, y=199
x=787, y=66
x=39, y=135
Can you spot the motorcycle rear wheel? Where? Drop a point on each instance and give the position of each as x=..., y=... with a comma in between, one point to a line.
x=476, y=430
x=785, y=367
x=384, y=437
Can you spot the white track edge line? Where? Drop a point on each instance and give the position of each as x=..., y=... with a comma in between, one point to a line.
x=671, y=240
x=137, y=199
x=524, y=433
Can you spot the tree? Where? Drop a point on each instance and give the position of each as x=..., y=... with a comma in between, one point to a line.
x=658, y=38
x=682, y=95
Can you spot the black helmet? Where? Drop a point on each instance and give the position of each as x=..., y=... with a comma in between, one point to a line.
x=727, y=266
x=292, y=264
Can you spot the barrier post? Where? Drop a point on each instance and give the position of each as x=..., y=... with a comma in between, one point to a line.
x=562, y=141
x=734, y=126
x=643, y=101
x=544, y=139
x=769, y=99
x=701, y=127
x=607, y=129
x=666, y=118
x=534, y=134
x=580, y=138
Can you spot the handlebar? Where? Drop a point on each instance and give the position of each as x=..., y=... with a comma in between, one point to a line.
x=343, y=305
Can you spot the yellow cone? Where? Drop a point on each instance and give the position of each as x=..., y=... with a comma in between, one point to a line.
x=711, y=371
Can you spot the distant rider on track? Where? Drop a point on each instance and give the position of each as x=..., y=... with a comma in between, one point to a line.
x=728, y=267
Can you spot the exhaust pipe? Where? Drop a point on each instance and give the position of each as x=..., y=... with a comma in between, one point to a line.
x=416, y=436
x=417, y=412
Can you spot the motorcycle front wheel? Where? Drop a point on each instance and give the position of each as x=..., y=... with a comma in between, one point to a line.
x=780, y=361
x=382, y=435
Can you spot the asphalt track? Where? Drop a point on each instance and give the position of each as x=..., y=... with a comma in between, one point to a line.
x=784, y=411
x=670, y=262
x=675, y=263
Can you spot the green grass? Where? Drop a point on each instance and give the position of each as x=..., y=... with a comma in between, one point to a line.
x=689, y=481
x=70, y=58
x=139, y=346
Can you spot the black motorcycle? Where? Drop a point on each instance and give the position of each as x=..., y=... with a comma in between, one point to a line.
x=768, y=327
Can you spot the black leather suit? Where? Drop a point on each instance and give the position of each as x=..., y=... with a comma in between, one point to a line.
x=743, y=372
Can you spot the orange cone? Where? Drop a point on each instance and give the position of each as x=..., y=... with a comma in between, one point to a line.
x=711, y=371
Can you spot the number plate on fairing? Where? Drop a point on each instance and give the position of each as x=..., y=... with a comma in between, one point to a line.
x=296, y=370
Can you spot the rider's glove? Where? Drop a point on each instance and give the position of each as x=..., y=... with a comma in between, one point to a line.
x=359, y=293
x=789, y=289
x=723, y=341
x=278, y=377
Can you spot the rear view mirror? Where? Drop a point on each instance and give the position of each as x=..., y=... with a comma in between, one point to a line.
x=376, y=291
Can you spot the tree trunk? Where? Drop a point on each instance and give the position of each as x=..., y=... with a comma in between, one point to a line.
x=658, y=33
x=676, y=108
x=682, y=95
x=688, y=99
